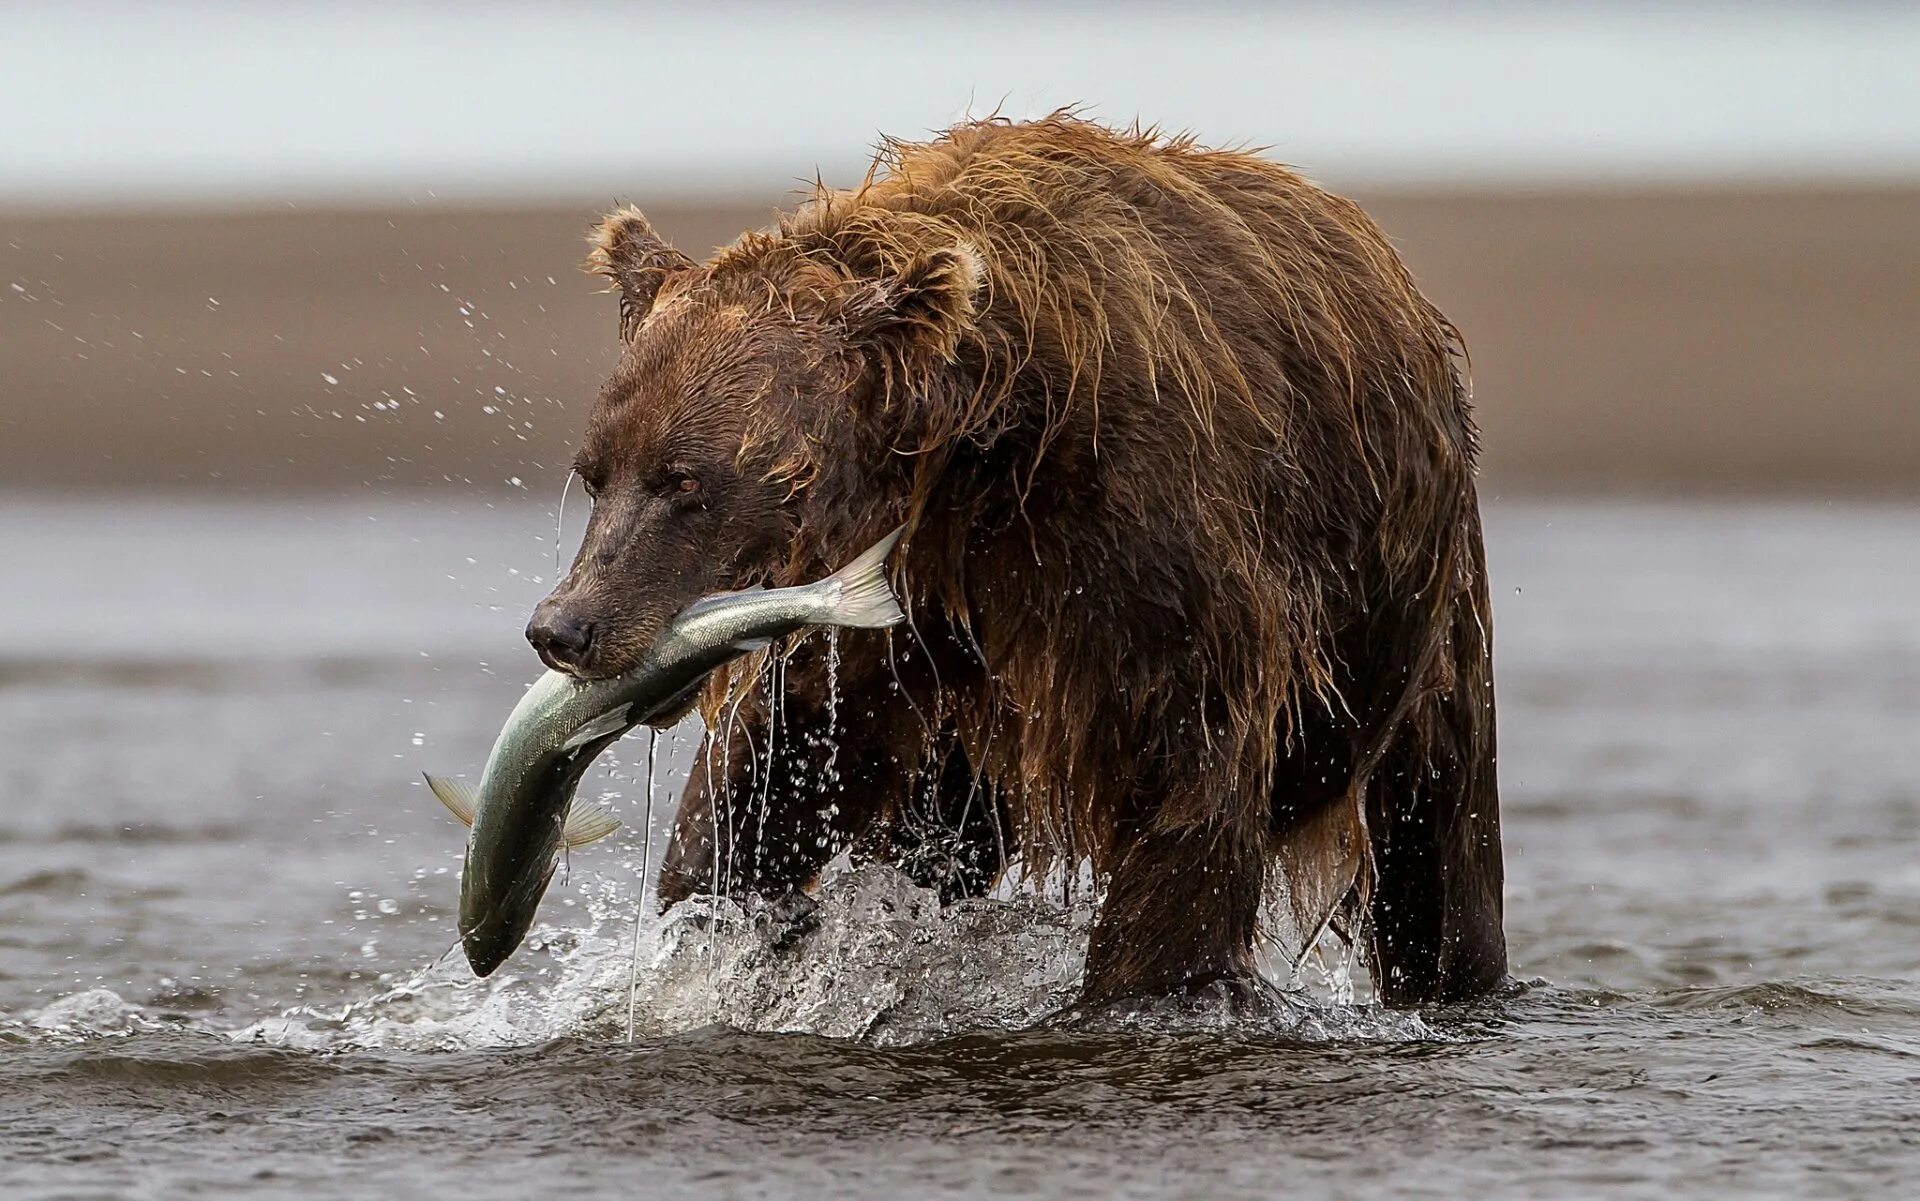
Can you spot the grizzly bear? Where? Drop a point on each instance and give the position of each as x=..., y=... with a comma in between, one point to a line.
x=1192, y=559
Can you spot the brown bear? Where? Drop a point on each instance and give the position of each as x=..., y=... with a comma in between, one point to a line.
x=1193, y=558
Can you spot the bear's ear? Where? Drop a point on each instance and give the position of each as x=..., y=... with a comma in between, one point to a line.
x=635, y=259
x=921, y=312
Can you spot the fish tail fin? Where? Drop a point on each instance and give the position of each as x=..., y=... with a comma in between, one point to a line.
x=861, y=594
x=457, y=796
x=586, y=823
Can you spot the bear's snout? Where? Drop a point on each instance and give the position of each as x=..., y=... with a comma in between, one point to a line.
x=563, y=640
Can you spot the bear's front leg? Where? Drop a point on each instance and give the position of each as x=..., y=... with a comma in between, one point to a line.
x=769, y=805
x=936, y=821
x=1179, y=916
x=754, y=822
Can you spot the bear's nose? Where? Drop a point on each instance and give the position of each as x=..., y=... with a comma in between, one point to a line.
x=562, y=640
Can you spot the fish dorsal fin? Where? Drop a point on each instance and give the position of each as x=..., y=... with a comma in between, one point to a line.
x=586, y=823
x=611, y=722
x=457, y=796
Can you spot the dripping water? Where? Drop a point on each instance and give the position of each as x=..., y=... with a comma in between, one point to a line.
x=776, y=677
x=560, y=523
x=640, y=895
x=830, y=773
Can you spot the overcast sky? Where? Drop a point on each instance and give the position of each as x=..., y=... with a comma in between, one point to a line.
x=266, y=103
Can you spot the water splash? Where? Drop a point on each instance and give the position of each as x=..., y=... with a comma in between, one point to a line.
x=876, y=960
x=86, y=1014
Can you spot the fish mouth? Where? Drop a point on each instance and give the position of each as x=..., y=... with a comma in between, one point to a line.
x=511, y=858
x=495, y=938
x=488, y=946
x=491, y=932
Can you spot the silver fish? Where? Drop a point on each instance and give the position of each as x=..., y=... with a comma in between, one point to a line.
x=523, y=811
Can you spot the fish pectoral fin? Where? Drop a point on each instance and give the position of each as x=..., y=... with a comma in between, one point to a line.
x=752, y=644
x=457, y=795
x=586, y=823
x=611, y=722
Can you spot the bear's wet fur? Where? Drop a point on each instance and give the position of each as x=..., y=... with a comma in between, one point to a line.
x=1193, y=561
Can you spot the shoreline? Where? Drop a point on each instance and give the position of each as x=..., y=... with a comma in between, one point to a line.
x=1734, y=340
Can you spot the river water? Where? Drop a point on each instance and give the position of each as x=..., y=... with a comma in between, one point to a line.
x=225, y=902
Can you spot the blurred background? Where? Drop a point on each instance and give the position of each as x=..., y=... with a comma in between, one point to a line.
x=262, y=248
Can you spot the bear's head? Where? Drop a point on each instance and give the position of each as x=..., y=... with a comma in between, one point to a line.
x=736, y=379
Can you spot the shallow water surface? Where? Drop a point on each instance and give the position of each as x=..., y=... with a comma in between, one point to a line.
x=224, y=902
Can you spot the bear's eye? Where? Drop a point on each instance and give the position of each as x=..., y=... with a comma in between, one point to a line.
x=678, y=481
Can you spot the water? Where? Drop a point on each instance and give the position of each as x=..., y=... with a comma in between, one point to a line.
x=223, y=895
